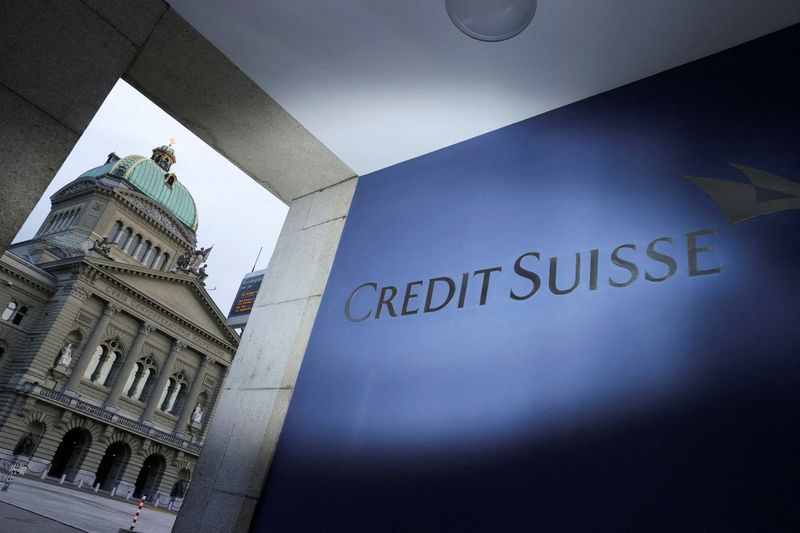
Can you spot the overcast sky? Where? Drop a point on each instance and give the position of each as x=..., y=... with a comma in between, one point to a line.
x=236, y=214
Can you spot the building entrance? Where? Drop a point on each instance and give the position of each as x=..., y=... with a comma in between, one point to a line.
x=150, y=476
x=112, y=466
x=70, y=453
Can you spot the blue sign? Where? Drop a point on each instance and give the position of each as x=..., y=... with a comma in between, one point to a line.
x=586, y=320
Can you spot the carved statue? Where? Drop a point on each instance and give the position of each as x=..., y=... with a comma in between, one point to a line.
x=199, y=257
x=103, y=247
x=197, y=414
x=183, y=261
x=194, y=262
x=66, y=355
x=201, y=274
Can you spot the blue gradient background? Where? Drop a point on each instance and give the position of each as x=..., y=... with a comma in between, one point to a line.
x=667, y=405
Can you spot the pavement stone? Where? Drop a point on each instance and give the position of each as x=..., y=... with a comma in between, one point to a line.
x=16, y=520
x=74, y=509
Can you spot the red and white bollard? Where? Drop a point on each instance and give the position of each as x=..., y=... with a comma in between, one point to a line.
x=138, y=512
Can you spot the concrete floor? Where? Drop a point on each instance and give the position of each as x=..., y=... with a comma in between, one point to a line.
x=16, y=520
x=79, y=509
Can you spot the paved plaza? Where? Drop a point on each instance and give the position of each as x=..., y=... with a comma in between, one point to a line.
x=16, y=520
x=39, y=506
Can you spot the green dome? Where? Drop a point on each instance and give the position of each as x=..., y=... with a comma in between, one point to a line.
x=149, y=178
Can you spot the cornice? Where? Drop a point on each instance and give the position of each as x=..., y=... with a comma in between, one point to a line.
x=16, y=274
x=78, y=187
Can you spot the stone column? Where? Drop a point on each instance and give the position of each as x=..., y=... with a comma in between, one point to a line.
x=244, y=431
x=127, y=366
x=194, y=392
x=163, y=376
x=71, y=388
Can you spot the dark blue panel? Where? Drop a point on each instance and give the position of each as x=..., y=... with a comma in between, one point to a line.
x=668, y=404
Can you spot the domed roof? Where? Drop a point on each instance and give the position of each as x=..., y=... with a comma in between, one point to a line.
x=151, y=179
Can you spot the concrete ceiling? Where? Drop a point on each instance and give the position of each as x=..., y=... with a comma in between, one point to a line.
x=380, y=82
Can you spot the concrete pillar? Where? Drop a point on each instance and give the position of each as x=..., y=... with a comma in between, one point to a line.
x=59, y=61
x=244, y=430
x=127, y=366
x=161, y=382
x=71, y=388
x=194, y=392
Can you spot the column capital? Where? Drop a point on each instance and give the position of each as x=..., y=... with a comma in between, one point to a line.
x=179, y=345
x=206, y=361
x=146, y=329
x=111, y=309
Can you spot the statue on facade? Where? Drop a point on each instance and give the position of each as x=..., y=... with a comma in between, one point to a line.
x=66, y=355
x=201, y=274
x=103, y=247
x=193, y=262
x=197, y=414
x=199, y=257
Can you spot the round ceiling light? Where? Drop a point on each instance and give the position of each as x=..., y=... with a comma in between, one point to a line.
x=491, y=20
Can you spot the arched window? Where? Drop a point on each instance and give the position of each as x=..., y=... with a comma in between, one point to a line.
x=145, y=377
x=62, y=217
x=102, y=362
x=116, y=232
x=67, y=220
x=156, y=257
x=109, y=366
x=21, y=312
x=144, y=251
x=141, y=379
x=174, y=393
x=164, y=262
x=57, y=221
x=136, y=242
x=52, y=224
x=166, y=393
x=9, y=310
x=136, y=372
x=180, y=399
x=95, y=362
x=127, y=235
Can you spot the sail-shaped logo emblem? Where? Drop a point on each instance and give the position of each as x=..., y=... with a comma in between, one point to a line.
x=766, y=194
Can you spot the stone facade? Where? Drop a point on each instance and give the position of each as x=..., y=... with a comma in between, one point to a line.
x=111, y=358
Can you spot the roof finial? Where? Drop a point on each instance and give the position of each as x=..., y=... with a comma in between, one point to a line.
x=172, y=141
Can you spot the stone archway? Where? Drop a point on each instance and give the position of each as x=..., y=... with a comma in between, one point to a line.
x=150, y=476
x=112, y=466
x=70, y=453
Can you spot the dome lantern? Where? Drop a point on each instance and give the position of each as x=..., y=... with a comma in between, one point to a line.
x=164, y=155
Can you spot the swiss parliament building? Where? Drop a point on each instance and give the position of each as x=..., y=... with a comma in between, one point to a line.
x=112, y=353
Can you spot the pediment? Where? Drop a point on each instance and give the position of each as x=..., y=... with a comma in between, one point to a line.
x=78, y=186
x=181, y=295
